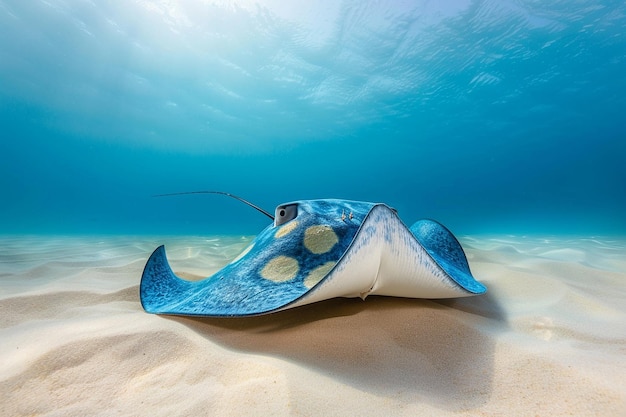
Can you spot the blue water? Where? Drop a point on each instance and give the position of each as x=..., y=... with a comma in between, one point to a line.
x=489, y=116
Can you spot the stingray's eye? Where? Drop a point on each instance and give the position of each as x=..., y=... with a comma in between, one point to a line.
x=285, y=213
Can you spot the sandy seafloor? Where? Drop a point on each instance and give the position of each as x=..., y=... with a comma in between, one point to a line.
x=549, y=339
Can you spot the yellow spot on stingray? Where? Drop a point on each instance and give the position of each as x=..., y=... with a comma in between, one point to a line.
x=320, y=239
x=242, y=254
x=286, y=229
x=280, y=269
x=317, y=274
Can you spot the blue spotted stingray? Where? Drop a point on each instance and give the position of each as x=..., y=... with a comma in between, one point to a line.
x=316, y=250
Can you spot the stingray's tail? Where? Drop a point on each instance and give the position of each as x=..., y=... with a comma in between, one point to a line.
x=447, y=252
x=160, y=287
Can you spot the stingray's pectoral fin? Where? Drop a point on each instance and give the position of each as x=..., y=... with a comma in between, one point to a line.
x=160, y=287
x=447, y=252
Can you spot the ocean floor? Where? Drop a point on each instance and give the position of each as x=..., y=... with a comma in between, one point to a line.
x=548, y=339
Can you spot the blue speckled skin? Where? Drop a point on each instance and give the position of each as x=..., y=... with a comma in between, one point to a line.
x=443, y=247
x=240, y=289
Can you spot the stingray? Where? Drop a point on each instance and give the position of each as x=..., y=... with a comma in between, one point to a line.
x=316, y=250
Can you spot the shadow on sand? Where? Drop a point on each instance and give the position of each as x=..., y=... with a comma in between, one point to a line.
x=419, y=350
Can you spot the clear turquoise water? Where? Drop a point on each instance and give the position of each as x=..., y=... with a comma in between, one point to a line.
x=489, y=116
